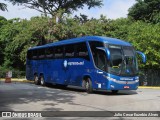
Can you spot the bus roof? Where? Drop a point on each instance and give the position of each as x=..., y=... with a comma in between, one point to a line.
x=86, y=38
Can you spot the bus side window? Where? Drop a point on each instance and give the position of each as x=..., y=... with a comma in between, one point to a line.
x=49, y=53
x=93, y=45
x=34, y=53
x=58, y=52
x=29, y=55
x=101, y=60
x=69, y=51
x=41, y=53
x=82, y=51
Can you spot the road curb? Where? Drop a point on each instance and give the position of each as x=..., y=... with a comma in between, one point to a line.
x=149, y=87
x=18, y=80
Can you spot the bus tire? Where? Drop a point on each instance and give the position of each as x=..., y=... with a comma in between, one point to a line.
x=84, y=84
x=36, y=80
x=42, y=81
x=114, y=91
x=88, y=85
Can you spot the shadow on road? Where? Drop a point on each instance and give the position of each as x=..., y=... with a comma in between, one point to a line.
x=23, y=93
x=98, y=92
x=51, y=96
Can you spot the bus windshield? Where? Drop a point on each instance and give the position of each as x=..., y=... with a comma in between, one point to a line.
x=122, y=61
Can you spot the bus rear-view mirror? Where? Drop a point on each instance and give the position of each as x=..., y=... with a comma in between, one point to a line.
x=142, y=55
x=106, y=51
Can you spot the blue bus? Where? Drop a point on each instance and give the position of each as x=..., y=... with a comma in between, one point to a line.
x=92, y=62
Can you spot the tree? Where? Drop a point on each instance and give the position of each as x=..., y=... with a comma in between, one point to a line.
x=146, y=10
x=3, y=21
x=145, y=37
x=53, y=6
x=3, y=7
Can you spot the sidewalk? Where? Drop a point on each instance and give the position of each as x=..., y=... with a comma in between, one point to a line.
x=150, y=87
x=17, y=80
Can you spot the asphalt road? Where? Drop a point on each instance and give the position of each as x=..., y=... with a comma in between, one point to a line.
x=17, y=96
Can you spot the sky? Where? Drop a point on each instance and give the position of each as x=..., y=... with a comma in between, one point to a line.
x=112, y=9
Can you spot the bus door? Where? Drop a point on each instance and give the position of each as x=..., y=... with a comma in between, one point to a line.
x=100, y=59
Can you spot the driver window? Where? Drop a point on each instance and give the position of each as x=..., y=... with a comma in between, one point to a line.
x=101, y=60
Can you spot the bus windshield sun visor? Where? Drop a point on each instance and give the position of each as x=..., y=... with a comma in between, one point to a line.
x=106, y=50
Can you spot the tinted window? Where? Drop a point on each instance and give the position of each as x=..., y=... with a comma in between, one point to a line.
x=94, y=44
x=29, y=55
x=59, y=52
x=116, y=55
x=128, y=51
x=41, y=53
x=69, y=51
x=82, y=51
x=34, y=54
x=49, y=53
x=95, y=51
x=101, y=60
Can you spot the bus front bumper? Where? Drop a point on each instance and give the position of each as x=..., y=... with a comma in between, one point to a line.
x=123, y=85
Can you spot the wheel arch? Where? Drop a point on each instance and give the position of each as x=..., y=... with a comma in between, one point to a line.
x=42, y=75
x=87, y=83
x=85, y=77
x=35, y=73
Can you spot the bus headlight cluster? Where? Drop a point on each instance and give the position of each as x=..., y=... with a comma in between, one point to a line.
x=111, y=79
x=112, y=86
x=136, y=79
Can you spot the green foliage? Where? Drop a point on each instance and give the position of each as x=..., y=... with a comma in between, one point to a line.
x=118, y=28
x=146, y=10
x=3, y=21
x=8, y=31
x=18, y=35
x=145, y=37
x=15, y=73
x=141, y=29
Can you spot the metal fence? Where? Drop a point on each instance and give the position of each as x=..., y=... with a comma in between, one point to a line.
x=150, y=77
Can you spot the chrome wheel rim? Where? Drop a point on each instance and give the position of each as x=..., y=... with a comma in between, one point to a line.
x=42, y=81
x=87, y=85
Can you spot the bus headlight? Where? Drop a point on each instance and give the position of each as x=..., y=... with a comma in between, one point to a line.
x=111, y=79
x=136, y=79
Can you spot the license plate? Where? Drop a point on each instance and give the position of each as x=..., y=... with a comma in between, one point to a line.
x=126, y=87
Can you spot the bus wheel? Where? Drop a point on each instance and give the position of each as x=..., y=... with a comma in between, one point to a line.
x=114, y=91
x=88, y=85
x=42, y=81
x=36, y=80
